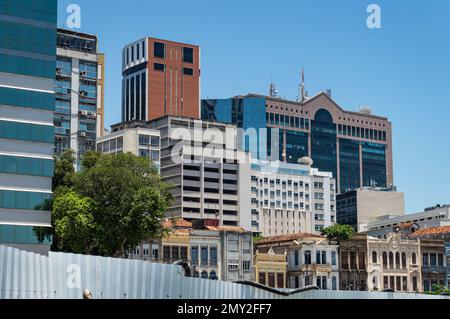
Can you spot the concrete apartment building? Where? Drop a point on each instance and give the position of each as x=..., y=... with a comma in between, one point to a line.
x=362, y=206
x=141, y=142
x=211, y=251
x=373, y=264
x=355, y=146
x=312, y=259
x=206, y=185
x=291, y=199
x=27, y=103
x=79, y=88
x=160, y=78
x=437, y=216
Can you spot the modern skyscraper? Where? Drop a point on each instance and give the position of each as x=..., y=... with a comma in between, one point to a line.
x=27, y=103
x=355, y=146
x=79, y=87
x=160, y=78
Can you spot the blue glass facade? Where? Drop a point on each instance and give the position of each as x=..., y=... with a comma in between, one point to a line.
x=323, y=142
x=374, y=164
x=248, y=114
x=27, y=61
x=349, y=162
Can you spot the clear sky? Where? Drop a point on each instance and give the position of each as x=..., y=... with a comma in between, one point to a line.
x=401, y=71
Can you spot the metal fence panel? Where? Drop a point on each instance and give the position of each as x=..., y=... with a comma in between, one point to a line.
x=25, y=275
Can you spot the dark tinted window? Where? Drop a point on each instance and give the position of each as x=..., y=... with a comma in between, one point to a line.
x=159, y=67
x=188, y=71
x=188, y=55
x=159, y=50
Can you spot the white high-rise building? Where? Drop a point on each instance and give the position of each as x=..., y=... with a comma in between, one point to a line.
x=291, y=198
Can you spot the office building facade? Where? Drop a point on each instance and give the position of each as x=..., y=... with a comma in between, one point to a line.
x=362, y=206
x=291, y=199
x=79, y=88
x=205, y=185
x=27, y=103
x=141, y=142
x=355, y=146
x=160, y=78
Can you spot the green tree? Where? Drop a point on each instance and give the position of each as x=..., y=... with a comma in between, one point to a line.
x=74, y=222
x=338, y=232
x=112, y=205
x=64, y=170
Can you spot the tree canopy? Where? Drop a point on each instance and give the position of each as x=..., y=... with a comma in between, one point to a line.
x=110, y=206
x=338, y=232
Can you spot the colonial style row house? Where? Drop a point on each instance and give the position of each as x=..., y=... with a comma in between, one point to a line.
x=210, y=251
x=311, y=259
x=373, y=264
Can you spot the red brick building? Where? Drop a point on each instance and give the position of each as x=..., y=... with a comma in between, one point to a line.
x=160, y=78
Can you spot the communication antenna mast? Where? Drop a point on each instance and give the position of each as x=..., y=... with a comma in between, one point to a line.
x=302, y=93
x=272, y=88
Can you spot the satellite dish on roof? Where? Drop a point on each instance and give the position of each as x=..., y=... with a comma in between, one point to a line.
x=306, y=161
x=365, y=110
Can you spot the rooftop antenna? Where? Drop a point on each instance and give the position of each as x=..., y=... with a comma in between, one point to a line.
x=302, y=93
x=272, y=88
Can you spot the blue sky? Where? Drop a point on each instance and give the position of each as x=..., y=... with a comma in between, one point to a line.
x=401, y=71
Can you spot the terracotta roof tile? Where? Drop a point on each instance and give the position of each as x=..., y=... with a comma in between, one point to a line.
x=179, y=223
x=432, y=231
x=226, y=228
x=285, y=238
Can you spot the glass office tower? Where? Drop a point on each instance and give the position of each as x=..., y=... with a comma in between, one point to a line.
x=355, y=146
x=27, y=102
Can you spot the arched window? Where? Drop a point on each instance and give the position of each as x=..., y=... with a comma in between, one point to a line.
x=204, y=275
x=404, y=260
x=391, y=260
x=385, y=263
x=323, y=116
x=374, y=257
x=196, y=274
x=397, y=260
x=414, y=258
x=213, y=275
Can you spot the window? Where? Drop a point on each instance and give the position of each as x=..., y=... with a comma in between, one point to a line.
x=246, y=265
x=280, y=280
x=262, y=278
x=324, y=257
x=374, y=257
x=391, y=260
x=403, y=260
x=296, y=258
x=385, y=263
x=188, y=55
x=204, y=256
x=188, y=71
x=213, y=256
x=414, y=259
x=397, y=260
x=334, y=283
x=425, y=260
x=352, y=260
x=159, y=67
x=194, y=255
x=233, y=267
x=333, y=258
x=308, y=257
x=159, y=50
